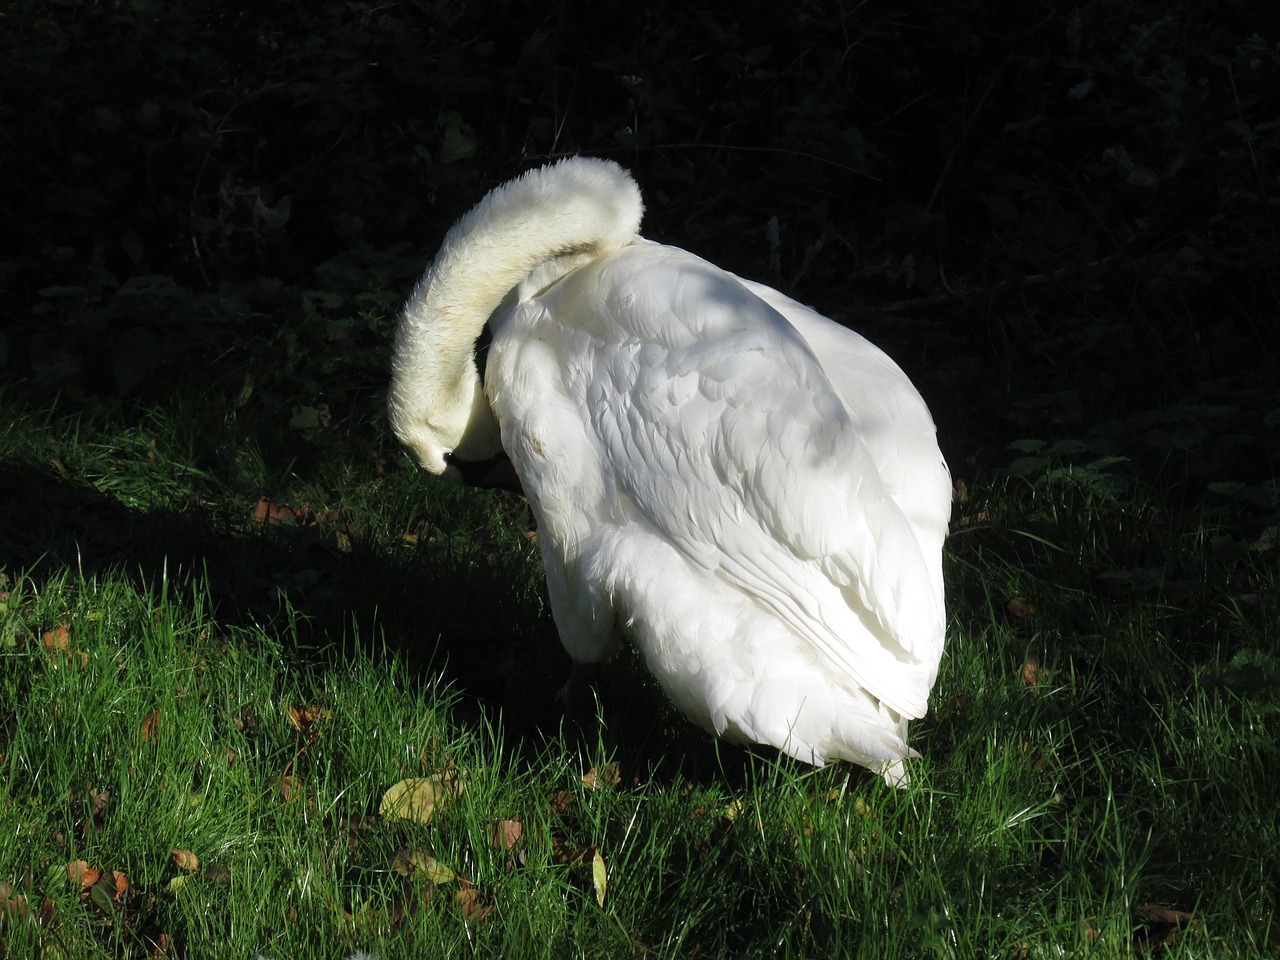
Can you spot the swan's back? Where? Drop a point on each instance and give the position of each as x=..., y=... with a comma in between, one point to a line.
x=750, y=493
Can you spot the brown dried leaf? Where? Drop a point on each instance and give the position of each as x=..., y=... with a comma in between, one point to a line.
x=185, y=860
x=1034, y=672
x=81, y=875
x=148, y=728
x=468, y=898
x=12, y=906
x=1163, y=925
x=1150, y=913
x=1021, y=609
x=267, y=511
x=289, y=787
x=563, y=852
x=217, y=873
x=607, y=776
x=504, y=834
x=59, y=638
x=303, y=718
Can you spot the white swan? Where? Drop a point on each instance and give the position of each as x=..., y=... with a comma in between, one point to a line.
x=748, y=491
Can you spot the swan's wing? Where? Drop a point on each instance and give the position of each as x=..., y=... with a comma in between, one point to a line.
x=718, y=426
x=891, y=420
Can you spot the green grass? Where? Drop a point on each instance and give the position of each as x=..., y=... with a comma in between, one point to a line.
x=174, y=676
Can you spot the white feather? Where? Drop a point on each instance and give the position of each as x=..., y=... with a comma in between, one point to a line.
x=751, y=493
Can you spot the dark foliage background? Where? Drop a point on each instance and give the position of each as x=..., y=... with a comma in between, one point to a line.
x=1070, y=209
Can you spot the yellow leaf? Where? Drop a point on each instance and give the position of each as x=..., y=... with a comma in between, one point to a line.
x=419, y=862
x=598, y=878
x=436, y=871
x=417, y=798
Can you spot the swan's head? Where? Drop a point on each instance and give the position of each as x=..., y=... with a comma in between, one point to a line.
x=439, y=422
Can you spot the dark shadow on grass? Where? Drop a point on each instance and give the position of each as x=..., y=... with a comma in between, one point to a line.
x=297, y=583
x=292, y=581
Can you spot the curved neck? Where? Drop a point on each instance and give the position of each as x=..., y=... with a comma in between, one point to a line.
x=572, y=212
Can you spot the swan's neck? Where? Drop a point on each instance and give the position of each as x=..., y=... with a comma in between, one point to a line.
x=570, y=213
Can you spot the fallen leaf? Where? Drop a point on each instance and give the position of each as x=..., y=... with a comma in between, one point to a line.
x=11, y=905
x=217, y=873
x=148, y=728
x=59, y=638
x=107, y=893
x=468, y=898
x=302, y=718
x=609, y=775
x=598, y=877
x=267, y=511
x=418, y=862
x=1034, y=672
x=504, y=834
x=563, y=852
x=418, y=798
x=1163, y=925
x=289, y=787
x=81, y=874
x=435, y=871
x=185, y=860
x=177, y=883
x=1021, y=609
x=1150, y=913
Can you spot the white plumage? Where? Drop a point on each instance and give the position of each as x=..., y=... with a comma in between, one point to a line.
x=749, y=492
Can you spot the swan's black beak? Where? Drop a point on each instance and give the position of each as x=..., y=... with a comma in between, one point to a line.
x=496, y=472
